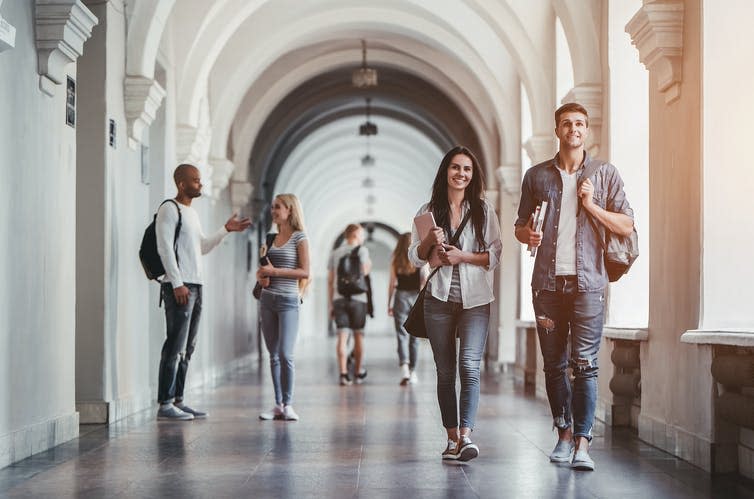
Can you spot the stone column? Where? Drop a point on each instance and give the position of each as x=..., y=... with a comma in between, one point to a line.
x=677, y=388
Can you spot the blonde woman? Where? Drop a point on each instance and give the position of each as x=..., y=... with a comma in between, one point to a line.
x=283, y=279
x=405, y=283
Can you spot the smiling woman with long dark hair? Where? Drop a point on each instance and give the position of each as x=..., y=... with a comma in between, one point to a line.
x=458, y=297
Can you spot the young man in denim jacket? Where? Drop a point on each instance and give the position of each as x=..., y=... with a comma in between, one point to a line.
x=569, y=277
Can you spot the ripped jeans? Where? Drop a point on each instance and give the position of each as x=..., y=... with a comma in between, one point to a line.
x=582, y=315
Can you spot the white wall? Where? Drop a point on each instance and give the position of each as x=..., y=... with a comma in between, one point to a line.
x=728, y=227
x=37, y=259
x=628, y=122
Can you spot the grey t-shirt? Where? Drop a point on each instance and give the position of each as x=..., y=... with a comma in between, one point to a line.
x=332, y=265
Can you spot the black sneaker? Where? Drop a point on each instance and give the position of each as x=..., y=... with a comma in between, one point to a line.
x=361, y=377
x=467, y=450
x=345, y=379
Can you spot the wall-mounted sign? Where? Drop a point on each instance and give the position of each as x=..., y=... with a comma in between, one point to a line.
x=70, y=102
x=111, y=134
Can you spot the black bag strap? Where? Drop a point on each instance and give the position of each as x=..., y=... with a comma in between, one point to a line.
x=175, y=237
x=177, y=227
x=453, y=242
x=270, y=238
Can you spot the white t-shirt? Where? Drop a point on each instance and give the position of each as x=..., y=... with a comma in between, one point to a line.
x=192, y=244
x=565, y=256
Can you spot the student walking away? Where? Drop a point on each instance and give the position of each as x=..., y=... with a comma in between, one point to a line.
x=347, y=268
x=403, y=288
x=569, y=277
x=182, y=288
x=459, y=295
x=283, y=280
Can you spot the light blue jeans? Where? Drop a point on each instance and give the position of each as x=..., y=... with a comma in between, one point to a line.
x=280, y=329
x=444, y=320
x=408, y=346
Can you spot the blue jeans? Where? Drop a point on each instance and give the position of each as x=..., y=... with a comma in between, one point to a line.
x=408, y=346
x=280, y=329
x=182, y=324
x=445, y=320
x=562, y=313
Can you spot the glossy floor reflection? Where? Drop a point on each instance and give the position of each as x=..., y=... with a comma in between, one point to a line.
x=376, y=440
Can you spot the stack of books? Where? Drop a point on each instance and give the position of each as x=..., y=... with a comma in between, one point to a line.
x=537, y=222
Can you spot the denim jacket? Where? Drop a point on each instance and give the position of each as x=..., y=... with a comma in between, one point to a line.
x=542, y=182
x=477, y=283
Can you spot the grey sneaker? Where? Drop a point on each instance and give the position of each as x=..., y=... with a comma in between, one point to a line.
x=361, y=377
x=194, y=412
x=172, y=413
x=562, y=452
x=582, y=461
x=289, y=414
x=467, y=450
x=451, y=451
x=275, y=413
x=345, y=379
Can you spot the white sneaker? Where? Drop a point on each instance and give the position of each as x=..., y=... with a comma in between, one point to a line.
x=275, y=413
x=289, y=414
x=405, y=375
x=451, y=451
x=413, y=378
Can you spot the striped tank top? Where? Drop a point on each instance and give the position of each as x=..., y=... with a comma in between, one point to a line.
x=285, y=257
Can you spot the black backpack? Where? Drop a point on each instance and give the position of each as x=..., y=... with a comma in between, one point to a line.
x=150, y=258
x=351, y=280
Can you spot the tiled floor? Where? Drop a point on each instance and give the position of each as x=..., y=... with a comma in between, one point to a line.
x=372, y=441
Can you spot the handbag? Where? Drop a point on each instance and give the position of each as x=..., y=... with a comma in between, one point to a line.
x=414, y=323
x=263, y=260
x=619, y=252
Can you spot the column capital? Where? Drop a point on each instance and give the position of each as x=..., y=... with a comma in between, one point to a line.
x=7, y=34
x=240, y=194
x=62, y=27
x=222, y=169
x=657, y=32
x=540, y=147
x=143, y=97
x=589, y=95
x=509, y=177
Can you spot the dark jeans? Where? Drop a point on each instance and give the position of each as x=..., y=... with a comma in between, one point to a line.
x=560, y=314
x=444, y=320
x=182, y=325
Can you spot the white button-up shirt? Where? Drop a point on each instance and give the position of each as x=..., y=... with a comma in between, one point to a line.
x=476, y=282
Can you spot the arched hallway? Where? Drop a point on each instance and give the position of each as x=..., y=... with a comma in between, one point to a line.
x=103, y=98
x=372, y=440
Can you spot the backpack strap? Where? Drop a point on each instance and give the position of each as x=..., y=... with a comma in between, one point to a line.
x=590, y=169
x=175, y=237
x=177, y=227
